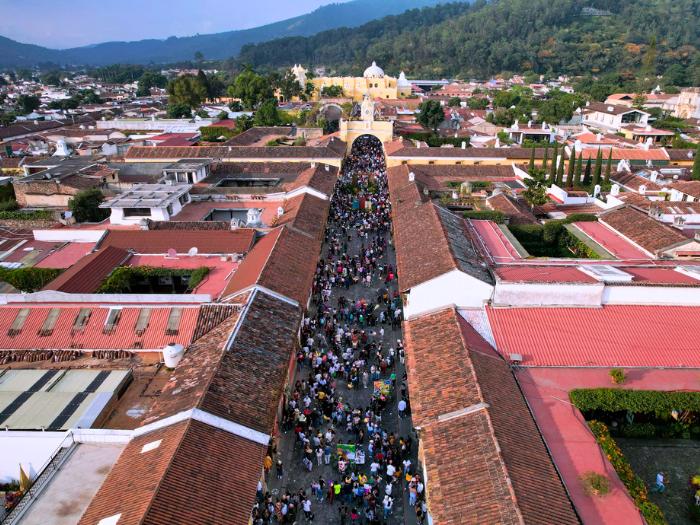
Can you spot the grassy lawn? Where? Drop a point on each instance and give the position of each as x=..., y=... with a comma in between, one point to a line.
x=678, y=459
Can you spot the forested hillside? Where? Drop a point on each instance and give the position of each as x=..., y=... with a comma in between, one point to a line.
x=486, y=38
x=213, y=46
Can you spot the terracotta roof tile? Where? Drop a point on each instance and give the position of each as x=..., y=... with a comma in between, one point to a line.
x=160, y=241
x=186, y=479
x=643, y=230
x=234, y=152
x=450, y=369
x=307, y=214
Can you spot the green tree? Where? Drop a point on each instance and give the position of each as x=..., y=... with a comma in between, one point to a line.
x=198, y=57
x=608, y=166
x=531, y=165
x=52, y=78
x=85, y=206
x=28, y=103
x=186, y=90
x=454, y=102
x=477, y=103
x=252, y=89
x=598, y=169
x=572, y=165
x=235, y=106
x=267, y=114
x=149, y=80
x=332, y=91
x=179, y=111
x=536, y=192
x=289, y=86
x=309, y=90
x=696, y=164
x=587, y=174
x=431, y=114
x=577, y=176
x=559, y=179
x=244, y=123
x=544, y=158
x=676, y=75
x=553, y=167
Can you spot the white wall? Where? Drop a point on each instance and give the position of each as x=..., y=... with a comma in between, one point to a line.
x=663, y=295
x=452, y=288
x=542, y=294
x=31, y=449
x=68, y=235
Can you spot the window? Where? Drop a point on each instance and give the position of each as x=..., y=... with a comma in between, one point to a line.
x=112, y=320
x=50, y=321
x=82, y=319
x=169, y=209
x=137, y=212
x=142, y=321
x=18, y=323
x=184, y=199
x=173, y=327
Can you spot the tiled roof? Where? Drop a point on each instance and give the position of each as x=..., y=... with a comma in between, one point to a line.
x=197, y=474
x=64, y=334
x=643, y=230
x=610, y=109
x=482, y=153
x=317, y=178
x=517, y=213
x=242, y=383
x=253, y=135
x=283, y=261
x=543, y=274
x=429, y=240
x=307, y=214
x=436, y=177
x=689, y=187
x=612, y=241
x=609, y=336
x=233, y=152
x=160, y=241
x=634, y=181
x=465, y=398
x=86, y=275
x=626, y=153
x=681, y=154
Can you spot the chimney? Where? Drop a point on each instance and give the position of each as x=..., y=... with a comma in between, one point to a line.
x=411, y=177
x=464, y=144
x=328, y=168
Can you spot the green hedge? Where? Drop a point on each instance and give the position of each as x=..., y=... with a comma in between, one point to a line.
x=580, y=217
x=636, y=487
x=28, y=279
x=212, y=133
x=638, y=401
x=487, y=215
x=36, y=215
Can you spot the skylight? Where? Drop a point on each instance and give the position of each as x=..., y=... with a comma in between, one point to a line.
x=606, y=273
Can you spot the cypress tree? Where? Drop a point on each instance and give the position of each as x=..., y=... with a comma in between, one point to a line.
x=608, y=167
x=695, y=174
x=544, y=159
x=531, y=166
x=572, y=164
x=560, y=171
x=553, y=166
x=587, y=173
x=598, y=168
x=577, y=177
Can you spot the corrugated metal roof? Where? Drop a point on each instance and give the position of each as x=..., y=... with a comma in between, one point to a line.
x=640, y=336
x=543, y=274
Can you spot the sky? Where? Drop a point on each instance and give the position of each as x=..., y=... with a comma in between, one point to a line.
x=70, y=23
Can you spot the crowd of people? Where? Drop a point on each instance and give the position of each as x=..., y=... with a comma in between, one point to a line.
x=341, y=404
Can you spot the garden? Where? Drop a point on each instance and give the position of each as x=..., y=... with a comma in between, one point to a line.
x=642, y=433
x=149, y=280
x=553, y=239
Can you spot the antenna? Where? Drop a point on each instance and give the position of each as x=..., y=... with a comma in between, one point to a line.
x=192, y=251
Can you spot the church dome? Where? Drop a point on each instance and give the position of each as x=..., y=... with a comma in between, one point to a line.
x=403, y=81
x=374, y=71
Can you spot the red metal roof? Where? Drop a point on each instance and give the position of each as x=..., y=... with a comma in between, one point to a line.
x=67, y=255
x=63, y=335
x=644, y=336
x=543, y=274
x=611, y=240
x=495, y=241
x=87, y=275
x=652, y=276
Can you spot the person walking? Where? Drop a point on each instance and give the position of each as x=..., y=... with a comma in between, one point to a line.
x=279, y=469
x=402, y=408
x=660, y=483
x=306, y=505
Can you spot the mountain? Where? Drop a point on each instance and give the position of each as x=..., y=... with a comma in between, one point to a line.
x=487, y=38
x=214, y=46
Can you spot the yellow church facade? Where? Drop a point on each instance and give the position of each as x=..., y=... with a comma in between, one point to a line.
x=373, y=82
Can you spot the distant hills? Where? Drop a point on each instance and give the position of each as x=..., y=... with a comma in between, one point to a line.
x=486, y=38
x=214, y=46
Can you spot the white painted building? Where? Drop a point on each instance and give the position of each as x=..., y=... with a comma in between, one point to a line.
x=157, y=202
